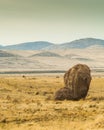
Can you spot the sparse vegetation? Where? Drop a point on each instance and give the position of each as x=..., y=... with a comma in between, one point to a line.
x=27, y=103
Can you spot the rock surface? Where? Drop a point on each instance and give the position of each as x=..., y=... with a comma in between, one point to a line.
x=77, y=81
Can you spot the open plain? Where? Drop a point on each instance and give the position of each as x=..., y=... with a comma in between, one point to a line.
x=27, y=102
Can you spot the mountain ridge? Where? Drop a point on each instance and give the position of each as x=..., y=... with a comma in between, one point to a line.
x=85, y=41
x=37, y=45
x=79, y=44
x=44, y=45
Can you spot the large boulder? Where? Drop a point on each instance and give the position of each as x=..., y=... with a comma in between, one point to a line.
x=77, y=81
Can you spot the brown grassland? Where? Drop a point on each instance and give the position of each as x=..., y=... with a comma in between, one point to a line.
x=27, y=103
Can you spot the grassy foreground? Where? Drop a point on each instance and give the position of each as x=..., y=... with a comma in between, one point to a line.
x=27, y=103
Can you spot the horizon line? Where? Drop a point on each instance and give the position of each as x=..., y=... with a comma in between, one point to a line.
x=52, y=42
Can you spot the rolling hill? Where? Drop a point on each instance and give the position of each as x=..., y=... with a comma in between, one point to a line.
x=43, y=45
x=6, y=54
x=83, y=43
x=49, y=56
x=46, y=54
x=78, y=44
x=1, y=46
x=29, y=46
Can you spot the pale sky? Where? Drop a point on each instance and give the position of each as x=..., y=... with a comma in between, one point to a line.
x=56, y=21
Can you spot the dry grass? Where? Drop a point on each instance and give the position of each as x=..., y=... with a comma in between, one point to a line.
x=27, y=103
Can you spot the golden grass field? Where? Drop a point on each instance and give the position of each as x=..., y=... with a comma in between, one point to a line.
x=27, y=103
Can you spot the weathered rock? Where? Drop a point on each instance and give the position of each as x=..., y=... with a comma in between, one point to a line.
x=78, y=79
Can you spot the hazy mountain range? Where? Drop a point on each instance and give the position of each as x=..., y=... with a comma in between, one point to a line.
x=43, y=55
x=28, y=46
x=43, y=45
